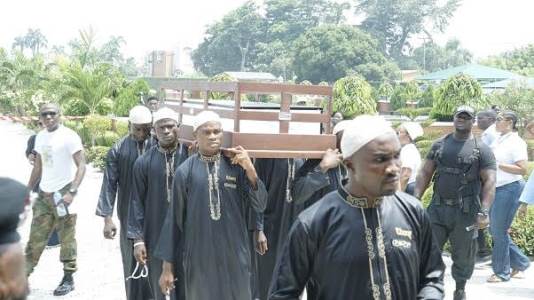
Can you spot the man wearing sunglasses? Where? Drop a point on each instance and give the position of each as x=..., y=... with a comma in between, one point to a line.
x=60, y=163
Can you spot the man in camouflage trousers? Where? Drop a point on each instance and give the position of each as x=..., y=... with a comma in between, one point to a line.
x=60, y=163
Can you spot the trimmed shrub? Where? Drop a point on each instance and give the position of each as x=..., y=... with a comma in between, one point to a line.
x=107, y=139
x=522, y=232
x=353, y=96
x=97, y=156
x=121, y=128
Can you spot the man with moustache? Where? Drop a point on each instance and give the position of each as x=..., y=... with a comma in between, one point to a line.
x=213, y=193
x=153, y=175
x=364, y=240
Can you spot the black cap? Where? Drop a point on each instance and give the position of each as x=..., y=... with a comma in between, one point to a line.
x=465, y=109
x=13, y=197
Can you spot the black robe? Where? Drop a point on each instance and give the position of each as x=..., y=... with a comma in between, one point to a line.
x=150, y=203
x=216, y=254
x=327, y=251
x=279, y=214
x=117, y=185
x=311, y=184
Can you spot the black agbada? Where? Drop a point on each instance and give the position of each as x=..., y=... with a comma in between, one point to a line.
x=311, y=184
x=281, y=211
x=117, y=184
x=153, y=176
x=330, y=250
x=211, y=199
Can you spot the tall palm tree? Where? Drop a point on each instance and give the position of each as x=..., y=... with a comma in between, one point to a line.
x=35, y=40
x=20, y=43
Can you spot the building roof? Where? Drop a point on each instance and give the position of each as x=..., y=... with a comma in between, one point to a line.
x=252, y=76
x=478, y=72
x=502, y=84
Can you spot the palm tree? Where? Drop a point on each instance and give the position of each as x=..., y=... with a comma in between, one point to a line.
x=35, y=40
x=20, y=43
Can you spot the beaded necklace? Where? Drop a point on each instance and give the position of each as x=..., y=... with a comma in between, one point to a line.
x=213, y=184
x=290, y=177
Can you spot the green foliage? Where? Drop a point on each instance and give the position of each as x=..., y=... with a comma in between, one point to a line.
x=427, y=122
x=121, y=128
x=128, y=96
x=432, y=57
x=413, y=113
x=522, y=232
x=424, y=146
x=352, y=97
x=230, y=44
x=518, y=60
x=328, y=52
x=426, y=99
x=398, y=98
x=427, y=196
x=222, y=77
x=516, y=97
x=456, y=91
x=107, y=138
x=97, y=156
x=395, y=22
x=97, y=126
x=385, y=90
x=89, y=91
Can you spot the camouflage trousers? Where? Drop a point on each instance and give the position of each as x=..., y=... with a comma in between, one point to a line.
x=44, y=220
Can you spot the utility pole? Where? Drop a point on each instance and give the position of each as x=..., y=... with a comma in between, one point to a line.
x=424, y=52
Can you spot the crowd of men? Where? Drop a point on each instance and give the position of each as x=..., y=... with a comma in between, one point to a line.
x=202, y=222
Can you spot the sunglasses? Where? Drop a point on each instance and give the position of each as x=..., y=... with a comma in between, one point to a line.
x=464, y=117
x=48, y=113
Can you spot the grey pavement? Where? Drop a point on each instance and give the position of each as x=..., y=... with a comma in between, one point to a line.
x=100, y=271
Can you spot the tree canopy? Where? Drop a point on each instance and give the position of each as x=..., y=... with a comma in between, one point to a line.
x=329, y=52
x=394, y=22
x=519, y=60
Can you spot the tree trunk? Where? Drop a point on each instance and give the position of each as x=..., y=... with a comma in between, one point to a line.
x=244, y=51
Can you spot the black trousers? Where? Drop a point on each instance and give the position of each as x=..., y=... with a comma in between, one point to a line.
x=449, y=223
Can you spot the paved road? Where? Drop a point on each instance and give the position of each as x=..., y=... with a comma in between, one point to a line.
x=100, y=275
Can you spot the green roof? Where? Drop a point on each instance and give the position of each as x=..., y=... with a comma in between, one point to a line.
x=527, y=82
x=478, y=72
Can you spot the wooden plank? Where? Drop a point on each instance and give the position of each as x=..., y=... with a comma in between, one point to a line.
x=271, y=145
x=192, y=111
x=284, y=110
x=258, y=115
x=276, y=88
x=199, y=86
x=284, y=142
x=286, y=154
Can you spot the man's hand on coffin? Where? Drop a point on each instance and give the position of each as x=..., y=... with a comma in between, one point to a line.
x=331, y=159
x=240, y=157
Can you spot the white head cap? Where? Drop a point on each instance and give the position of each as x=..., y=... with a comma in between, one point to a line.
x=414, y=129
x=140, y=115
x=362, y=130
x=205, y=117
x=342, y=125
x=165, y=113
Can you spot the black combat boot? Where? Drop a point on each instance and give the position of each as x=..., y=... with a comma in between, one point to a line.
x=65, y=286
x=459, y=294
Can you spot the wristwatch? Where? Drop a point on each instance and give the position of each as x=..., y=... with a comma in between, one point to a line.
x=73, y=191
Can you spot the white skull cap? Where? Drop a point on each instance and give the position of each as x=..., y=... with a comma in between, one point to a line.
x=165, y=113
x=205, y=117
x=140, y=115
x=362, y=130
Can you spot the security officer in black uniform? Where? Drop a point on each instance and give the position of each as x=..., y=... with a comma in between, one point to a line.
x=463, y=171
